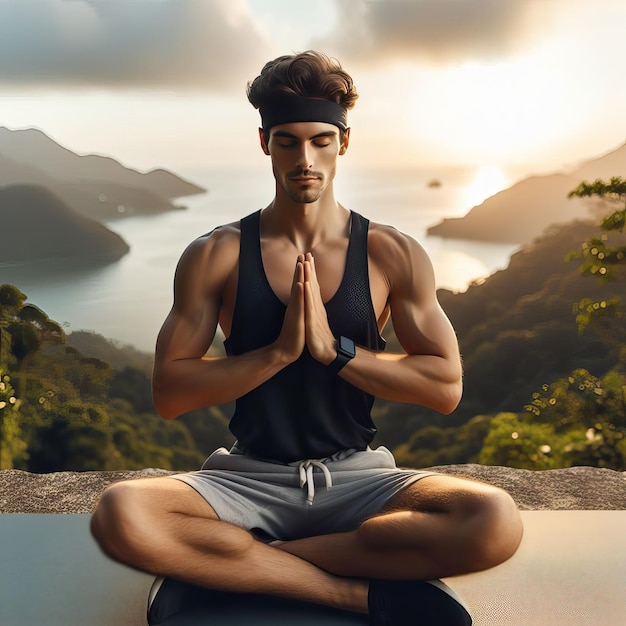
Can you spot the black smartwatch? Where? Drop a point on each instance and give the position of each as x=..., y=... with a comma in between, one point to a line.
x=345, y=352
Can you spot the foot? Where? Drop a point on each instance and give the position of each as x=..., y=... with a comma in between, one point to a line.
x=165, y=599
x=415, y=602
x=169, y=596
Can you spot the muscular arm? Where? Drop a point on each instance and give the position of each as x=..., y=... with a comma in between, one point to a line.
x=430, y=372
x=184, y=378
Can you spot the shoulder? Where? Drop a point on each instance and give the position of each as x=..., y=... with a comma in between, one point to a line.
x=221, y=241
x=398, y=256
x=210, y=258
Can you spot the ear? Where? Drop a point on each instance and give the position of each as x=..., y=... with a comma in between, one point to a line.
x=263, y=144
x=345, y=142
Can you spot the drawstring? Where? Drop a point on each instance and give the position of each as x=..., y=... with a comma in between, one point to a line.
x=305, y=468
x=306, y=477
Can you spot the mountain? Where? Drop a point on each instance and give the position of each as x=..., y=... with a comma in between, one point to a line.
x=13, y=172
x=97, y=186
x=521, y=213
x=37, y=225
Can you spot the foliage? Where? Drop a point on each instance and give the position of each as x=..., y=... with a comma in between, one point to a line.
x=434, y=445
x=515, y=333
x=78, y=412
x=518, y=442
x=614, y=191
x=578, y=420
x=581, y=419
x=12, y=447
x=601, y=256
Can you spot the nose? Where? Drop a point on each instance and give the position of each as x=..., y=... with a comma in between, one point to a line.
x=305, y=159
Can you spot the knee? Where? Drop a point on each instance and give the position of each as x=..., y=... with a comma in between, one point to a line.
x=115, y=521
x=496, y=527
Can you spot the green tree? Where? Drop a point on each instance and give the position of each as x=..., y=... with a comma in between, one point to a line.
x=601, y=256
x=12, y=446
x=516, y=441
x=71, y=435
x=589, y=413
x=577, y=420
x=11, y=301
x=434, y=445
x=23, y=327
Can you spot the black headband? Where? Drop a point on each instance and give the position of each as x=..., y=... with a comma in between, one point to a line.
x=286, y=109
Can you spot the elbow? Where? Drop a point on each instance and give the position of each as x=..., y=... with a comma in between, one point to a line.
x=449, y=398
x=164, y=409
x=162, y=403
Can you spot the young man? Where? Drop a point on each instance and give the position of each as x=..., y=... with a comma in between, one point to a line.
x=302, y=290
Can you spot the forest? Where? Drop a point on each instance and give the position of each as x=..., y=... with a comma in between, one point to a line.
x=544, y=354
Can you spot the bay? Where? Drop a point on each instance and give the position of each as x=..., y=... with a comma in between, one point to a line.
x=128, y=300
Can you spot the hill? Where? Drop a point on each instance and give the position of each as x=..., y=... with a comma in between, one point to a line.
x=517, y=332
x=37, y=225
x=94, y=185
x=521, y=212
x=120, y=356
x=517, y=329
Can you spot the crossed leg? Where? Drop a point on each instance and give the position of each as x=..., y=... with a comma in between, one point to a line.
x=439, y=526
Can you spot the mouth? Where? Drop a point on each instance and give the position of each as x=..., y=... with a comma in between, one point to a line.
x=303, y=179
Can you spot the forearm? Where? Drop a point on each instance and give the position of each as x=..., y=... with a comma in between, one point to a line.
x=428, y=380
x=181, y=385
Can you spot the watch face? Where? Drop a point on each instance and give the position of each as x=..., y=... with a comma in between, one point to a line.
x=347, y=346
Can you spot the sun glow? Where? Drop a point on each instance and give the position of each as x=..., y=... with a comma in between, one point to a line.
x=487, y=181
x=482, y=112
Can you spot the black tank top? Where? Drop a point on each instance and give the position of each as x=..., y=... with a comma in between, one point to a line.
x=304, y=411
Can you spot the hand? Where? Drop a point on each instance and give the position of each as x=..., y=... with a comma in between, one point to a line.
x=291, y=341
x=319, y=338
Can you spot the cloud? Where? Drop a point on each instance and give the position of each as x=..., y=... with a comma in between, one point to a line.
x=208, y=45
x=434, y=30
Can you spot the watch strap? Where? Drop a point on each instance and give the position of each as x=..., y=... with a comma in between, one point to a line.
x=346, y=351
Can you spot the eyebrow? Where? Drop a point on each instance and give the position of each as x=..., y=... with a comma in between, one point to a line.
x=284, y=133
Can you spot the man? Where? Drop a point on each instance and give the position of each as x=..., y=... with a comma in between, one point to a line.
x=302, y=290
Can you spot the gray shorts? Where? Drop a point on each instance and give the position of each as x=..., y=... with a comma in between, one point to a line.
x=301, y=499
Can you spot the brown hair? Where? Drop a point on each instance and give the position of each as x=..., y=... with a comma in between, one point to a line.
x=309, y=74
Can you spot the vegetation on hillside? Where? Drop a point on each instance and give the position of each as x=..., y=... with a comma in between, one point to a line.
x=544, y=358
x=548, y=389
x=61, y=410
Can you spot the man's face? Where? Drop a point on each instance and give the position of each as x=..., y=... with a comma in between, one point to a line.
x=304, y=158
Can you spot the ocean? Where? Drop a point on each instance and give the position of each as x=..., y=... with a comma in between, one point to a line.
x=127, y=301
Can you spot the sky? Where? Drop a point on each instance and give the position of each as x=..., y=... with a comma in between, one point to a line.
x=498, y=85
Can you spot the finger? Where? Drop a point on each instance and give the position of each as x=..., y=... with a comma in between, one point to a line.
x=319, y=337
x=312, y=275
x=298, y=275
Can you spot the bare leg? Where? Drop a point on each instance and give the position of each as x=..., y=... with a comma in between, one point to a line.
x=440, y=526
x=164, y=527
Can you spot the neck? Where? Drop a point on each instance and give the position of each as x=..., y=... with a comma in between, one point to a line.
x=305, y=225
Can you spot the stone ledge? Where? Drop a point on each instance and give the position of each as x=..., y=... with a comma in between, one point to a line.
x=576, y=488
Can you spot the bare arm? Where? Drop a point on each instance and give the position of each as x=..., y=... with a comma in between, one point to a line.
x=430, y=372
x=184, y=378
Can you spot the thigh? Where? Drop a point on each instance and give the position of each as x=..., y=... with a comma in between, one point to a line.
x=154, y=497
x=439, y=493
